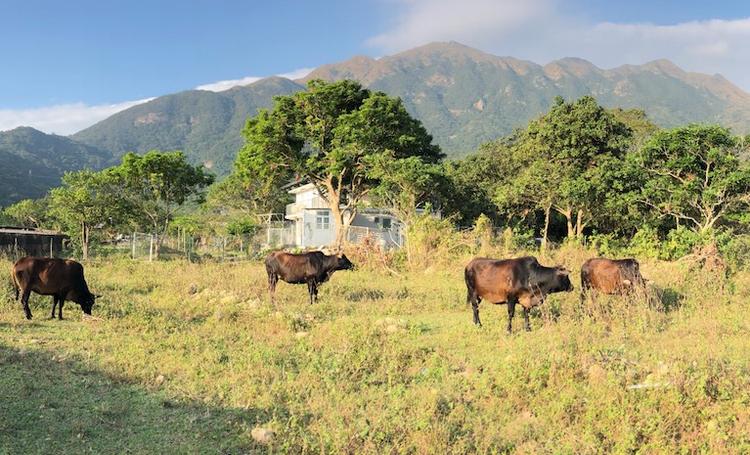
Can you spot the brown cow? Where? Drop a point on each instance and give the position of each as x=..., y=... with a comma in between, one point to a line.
x=611, y=276
x=511, y=281
x=60, y=278
x=312, y=268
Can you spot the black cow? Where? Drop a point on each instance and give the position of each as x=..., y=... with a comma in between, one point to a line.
x=62, y=279
x=512, y=281
x=312, y=268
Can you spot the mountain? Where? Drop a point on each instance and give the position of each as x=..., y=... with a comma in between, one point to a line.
x=463, y=96
x=206, y=125
x=466, y=97
x=31, y=162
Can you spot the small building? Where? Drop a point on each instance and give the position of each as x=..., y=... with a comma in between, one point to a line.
x=308, y=223
x=17, y=242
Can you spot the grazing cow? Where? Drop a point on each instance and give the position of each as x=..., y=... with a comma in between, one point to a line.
x=60, y=278
x=512, y=281
x=611, y=276
x=312, y=268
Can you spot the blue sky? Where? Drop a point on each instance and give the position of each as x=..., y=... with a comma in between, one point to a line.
x=95, y=57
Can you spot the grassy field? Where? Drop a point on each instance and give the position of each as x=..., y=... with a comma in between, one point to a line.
x=190, y=358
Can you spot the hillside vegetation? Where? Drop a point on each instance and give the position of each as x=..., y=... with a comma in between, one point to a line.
x=32, y=162
x=383, y=364
x=464, y=97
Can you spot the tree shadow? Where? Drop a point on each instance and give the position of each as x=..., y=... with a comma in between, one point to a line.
x=50, y=405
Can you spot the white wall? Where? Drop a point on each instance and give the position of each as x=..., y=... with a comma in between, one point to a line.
x=314, y=236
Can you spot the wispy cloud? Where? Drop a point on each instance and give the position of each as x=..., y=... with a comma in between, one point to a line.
x=541, y=31
x=220, y=86
x=61, y=119
x=65, y=119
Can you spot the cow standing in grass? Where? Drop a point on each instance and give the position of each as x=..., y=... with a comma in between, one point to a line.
x=60, y=278
x=611, y=276
x=512, y=281
x=312, y=268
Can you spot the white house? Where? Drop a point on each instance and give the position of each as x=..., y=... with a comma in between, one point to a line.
x=309, y=223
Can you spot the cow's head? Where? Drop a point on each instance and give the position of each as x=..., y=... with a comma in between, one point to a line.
x=87, y=303
x=343, y=263
x=561, y=281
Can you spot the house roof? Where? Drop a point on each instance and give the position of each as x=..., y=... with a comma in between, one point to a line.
x=29, y=231
x=302, y=188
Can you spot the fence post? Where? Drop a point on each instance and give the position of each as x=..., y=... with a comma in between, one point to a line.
x=132, y=248
x=50, y=247
x=151, y=248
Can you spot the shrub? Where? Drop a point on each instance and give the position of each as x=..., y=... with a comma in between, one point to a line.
x=645, y=243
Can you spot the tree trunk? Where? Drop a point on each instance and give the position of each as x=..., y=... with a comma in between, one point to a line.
x=547, y=210
x=568, y=214
x=580, y=224
x=84, y=241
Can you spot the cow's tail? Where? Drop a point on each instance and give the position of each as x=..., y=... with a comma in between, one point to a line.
x=585, y=282
x=470, y=284
x=14, y=280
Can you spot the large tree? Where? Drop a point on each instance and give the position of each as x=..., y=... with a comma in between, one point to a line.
x=695, y=175
x=87, y=200
x=573, y=154
x=324, y=135
x=156, y=185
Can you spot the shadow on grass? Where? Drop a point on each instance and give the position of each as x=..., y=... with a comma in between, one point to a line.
x=48, y=405
x=668, y=298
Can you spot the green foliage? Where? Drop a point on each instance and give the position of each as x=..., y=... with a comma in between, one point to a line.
x=694, y=175
x=646, y=243
x=30, y=213
x=567, y=160
x=244, y=225
x=681, y=242
x=404, y=185
x=88, y=202
x=156, y=184
x=326, y=135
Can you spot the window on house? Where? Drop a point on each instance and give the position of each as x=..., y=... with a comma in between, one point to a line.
x=386, y=223
x=322, y=220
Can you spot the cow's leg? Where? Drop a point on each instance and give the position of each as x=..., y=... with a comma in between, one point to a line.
x=59, y=308
x=316, y=292
x=511, y=312
x=25, y=302
x=18, y=292
x=54, y=304
x=474, y=300
x=311, y=290
x=526, y=324
x=272, y=279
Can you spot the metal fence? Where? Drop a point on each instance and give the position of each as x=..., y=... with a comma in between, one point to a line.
x=385, y=238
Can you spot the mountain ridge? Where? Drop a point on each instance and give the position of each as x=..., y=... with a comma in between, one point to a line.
x=462, y=95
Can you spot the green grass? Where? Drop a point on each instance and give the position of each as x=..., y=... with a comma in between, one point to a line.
x=189, y=358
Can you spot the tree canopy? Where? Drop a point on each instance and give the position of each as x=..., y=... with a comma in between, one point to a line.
x=326, y=135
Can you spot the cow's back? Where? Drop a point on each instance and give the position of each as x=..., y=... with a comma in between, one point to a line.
x=496, y=280
x=293, y=268
x=608, y=275
x=49, y=275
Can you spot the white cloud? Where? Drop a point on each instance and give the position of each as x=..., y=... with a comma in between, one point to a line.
x=539, y=30
x=220, y=86
x=61, y=119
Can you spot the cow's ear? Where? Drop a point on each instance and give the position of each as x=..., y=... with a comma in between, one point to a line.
x=96, y=296
x=563, y=270
x=626, y=282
